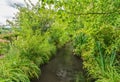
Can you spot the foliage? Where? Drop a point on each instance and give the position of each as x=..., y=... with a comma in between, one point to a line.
x=15, y=68
x=97, y=53
x=35, y=48
x=37, y=38
x=97, y=41
x=92, y=25
x=43, y=21
x=4, y=46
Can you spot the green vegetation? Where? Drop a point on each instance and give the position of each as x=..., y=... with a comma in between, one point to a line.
x=93, y=26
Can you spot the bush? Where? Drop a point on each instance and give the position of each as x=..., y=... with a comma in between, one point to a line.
x=98, y=48
x=15, y=68
x=32, y=46
x=4, y=47
x=35, y=48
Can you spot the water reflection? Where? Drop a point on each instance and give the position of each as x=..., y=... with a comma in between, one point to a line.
x=64, y=67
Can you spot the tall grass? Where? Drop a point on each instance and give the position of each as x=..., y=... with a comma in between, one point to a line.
x=15, y=69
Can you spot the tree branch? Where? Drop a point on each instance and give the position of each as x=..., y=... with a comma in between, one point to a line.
x=94, y=13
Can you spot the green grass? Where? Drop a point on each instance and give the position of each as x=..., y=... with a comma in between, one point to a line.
x=14, y=68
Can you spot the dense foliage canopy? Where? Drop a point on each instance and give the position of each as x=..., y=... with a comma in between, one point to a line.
x=93, y=27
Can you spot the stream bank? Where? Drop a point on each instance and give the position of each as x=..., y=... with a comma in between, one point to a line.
x=64, y=67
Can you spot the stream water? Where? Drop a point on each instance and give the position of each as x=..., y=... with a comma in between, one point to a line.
x=64, y=67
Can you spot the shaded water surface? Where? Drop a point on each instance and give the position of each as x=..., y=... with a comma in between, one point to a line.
x=64, y=67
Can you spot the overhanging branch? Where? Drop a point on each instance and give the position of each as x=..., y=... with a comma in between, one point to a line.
x=94, y=13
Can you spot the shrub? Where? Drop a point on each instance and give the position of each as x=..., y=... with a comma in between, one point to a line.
x=4, y=46
x=15, y=68
x=98, y=48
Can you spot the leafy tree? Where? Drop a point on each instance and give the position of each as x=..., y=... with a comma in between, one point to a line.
x=92, y=26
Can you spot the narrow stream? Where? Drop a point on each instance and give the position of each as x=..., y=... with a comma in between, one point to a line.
x=64, y=67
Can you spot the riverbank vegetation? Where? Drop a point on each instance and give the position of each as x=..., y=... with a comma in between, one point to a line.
x=39, y=30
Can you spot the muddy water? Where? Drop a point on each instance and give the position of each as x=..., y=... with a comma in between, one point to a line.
x=64, y=67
